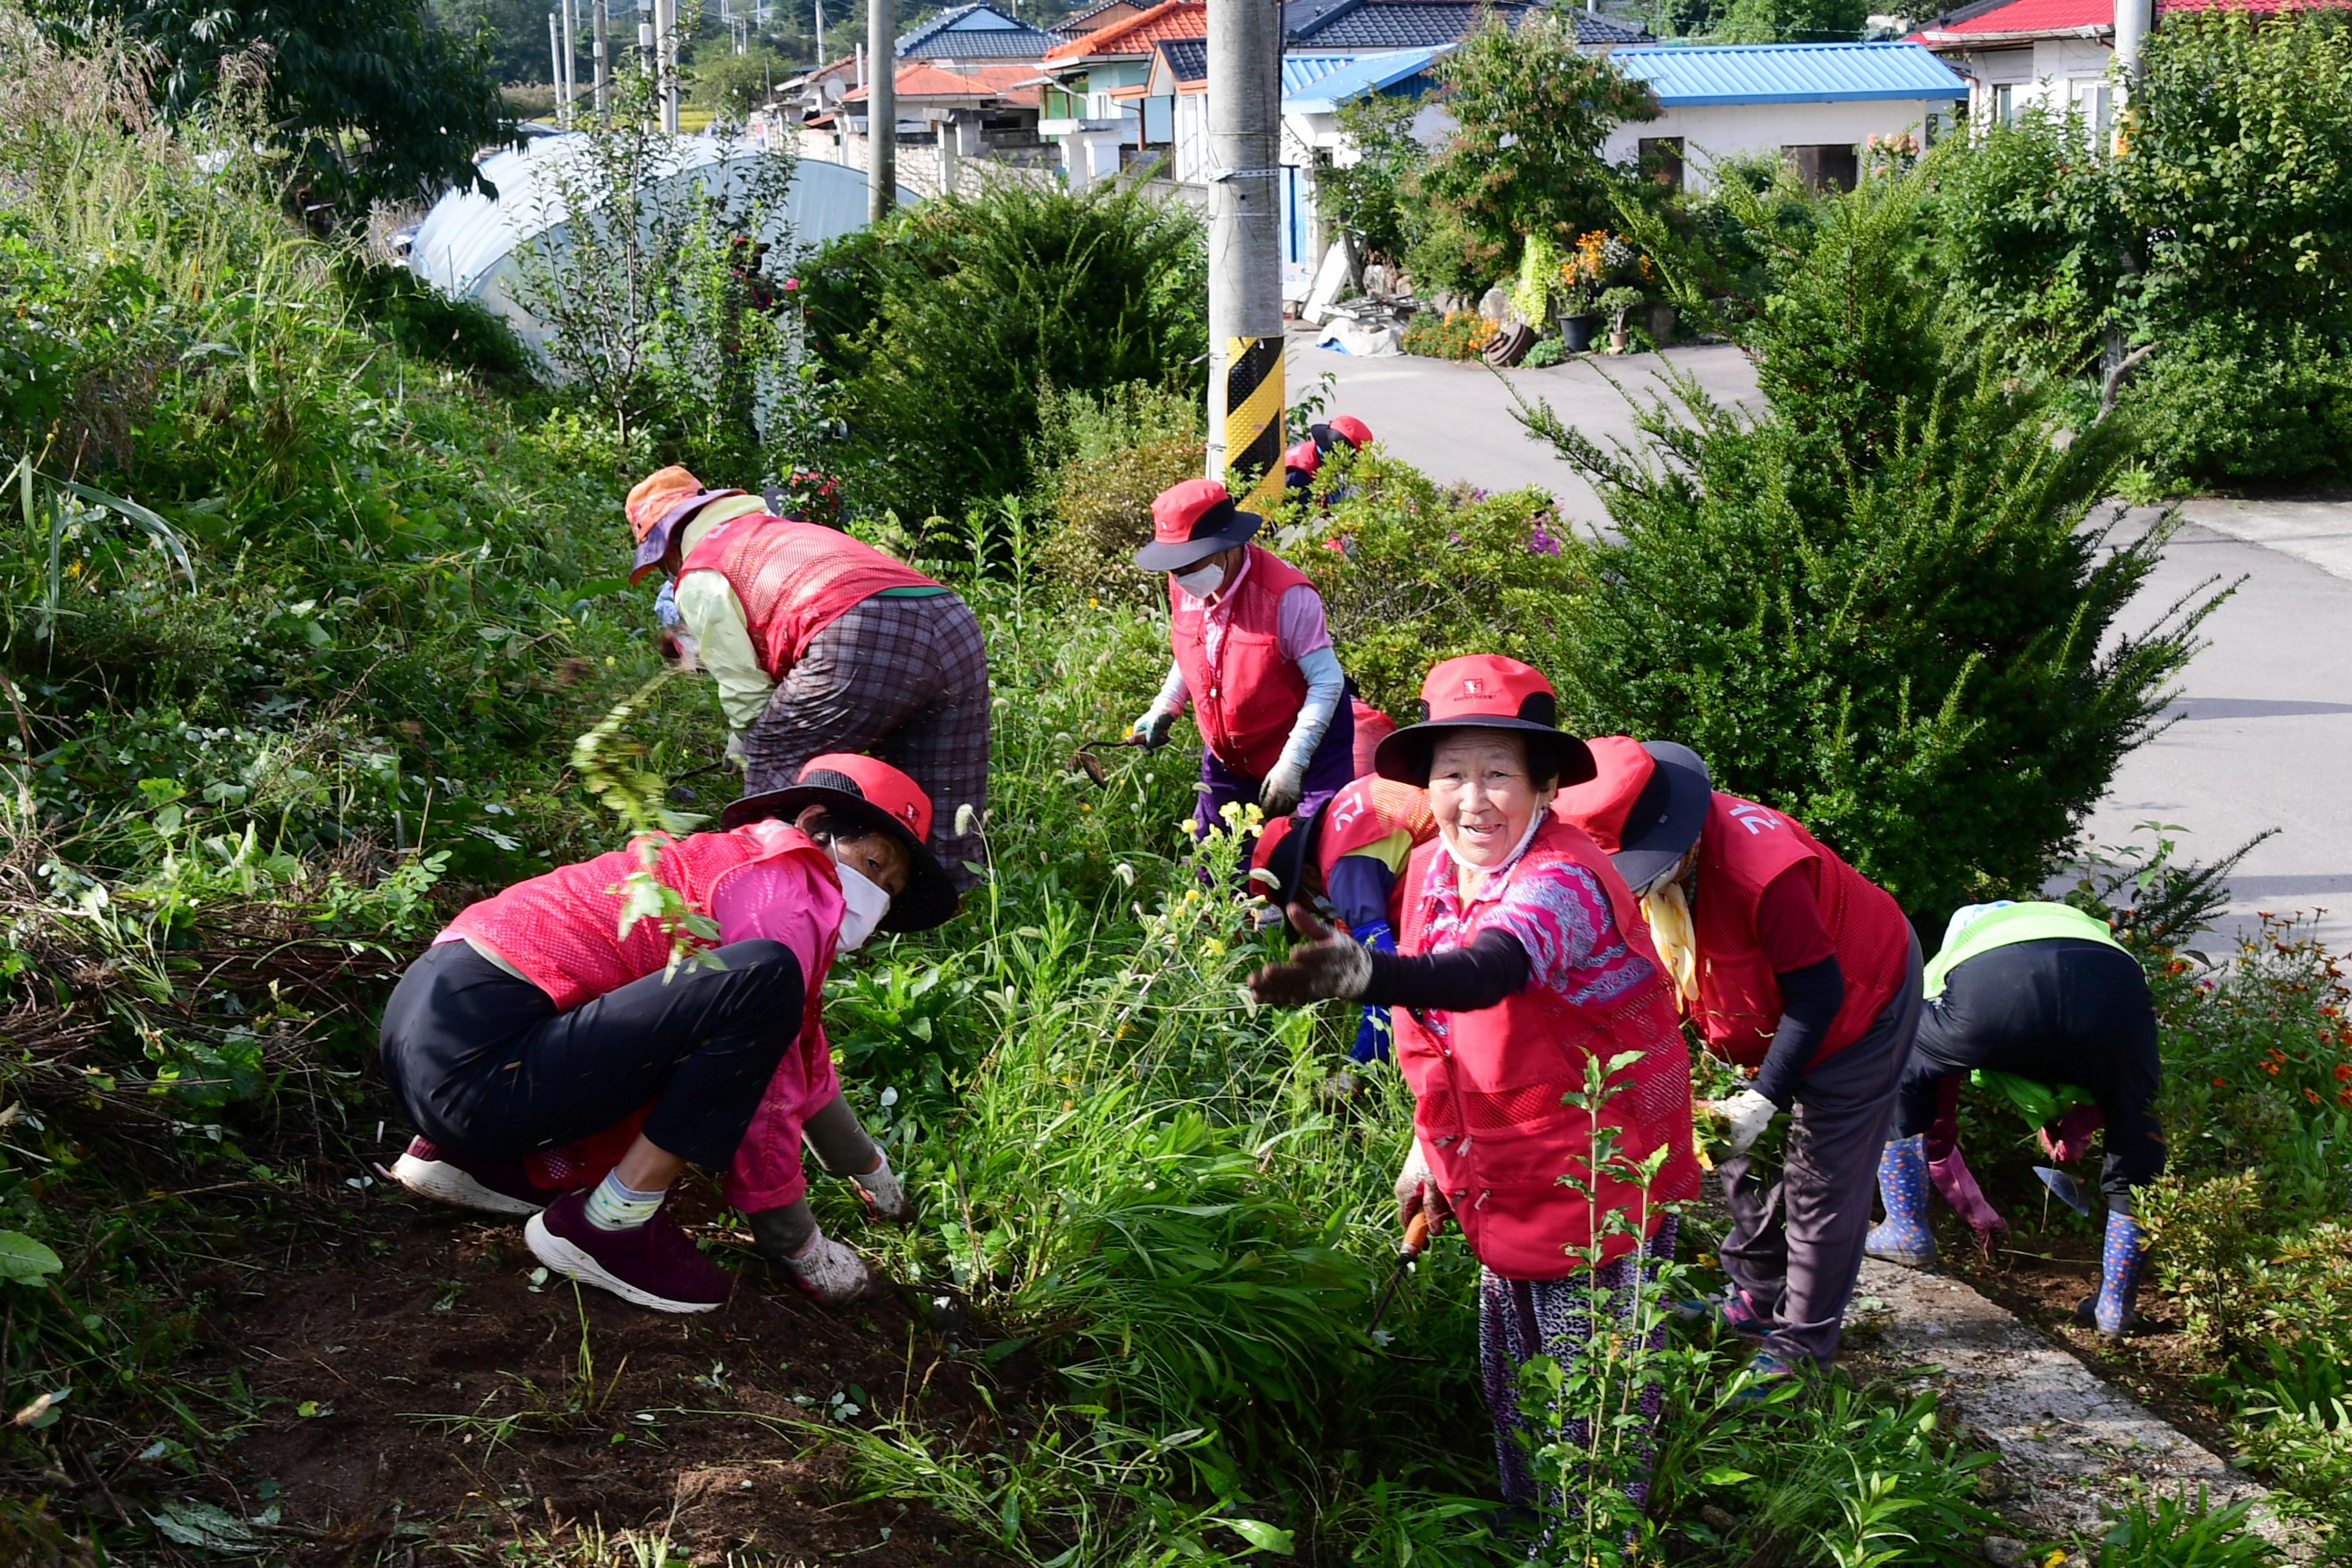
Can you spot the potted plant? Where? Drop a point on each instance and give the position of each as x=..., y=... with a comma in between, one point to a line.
x=1577, y=280
x=1614, y=303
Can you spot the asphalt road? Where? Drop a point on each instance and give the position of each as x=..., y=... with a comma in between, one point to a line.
x=2262, y=735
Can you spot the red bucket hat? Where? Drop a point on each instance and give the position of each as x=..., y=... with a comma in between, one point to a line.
x=1644, y=805
x=658, y=503
x=1193, y=522
x=879, y=798
x=1485, y=692
x=1350, y=429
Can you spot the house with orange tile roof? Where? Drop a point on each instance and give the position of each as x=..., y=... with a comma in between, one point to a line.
x=1095, y=98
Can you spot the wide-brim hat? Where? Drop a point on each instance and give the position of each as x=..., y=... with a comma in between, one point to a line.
x=1192, y=521
x=1485, y=692
x=655, y=544
x=1645, y=805
x=872, y=794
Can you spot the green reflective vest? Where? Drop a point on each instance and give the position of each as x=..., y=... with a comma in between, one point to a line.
x=2019, y=922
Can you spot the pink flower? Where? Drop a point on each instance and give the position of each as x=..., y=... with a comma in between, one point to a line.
x=791, y=284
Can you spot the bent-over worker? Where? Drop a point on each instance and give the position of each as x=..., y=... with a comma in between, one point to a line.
x=2040, y=1001
x=821, y=643
x=1253, y=658
x=1795, y=966
x=1521, y=958
x=1350, y=853
x=1305, y=460
x=537, y=1034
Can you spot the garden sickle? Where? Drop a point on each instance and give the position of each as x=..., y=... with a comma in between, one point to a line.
x=2069, y=1189
x=1083, y=761
x=1416, y=1236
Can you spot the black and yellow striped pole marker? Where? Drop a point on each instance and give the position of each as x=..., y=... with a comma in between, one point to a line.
x=1254, y=404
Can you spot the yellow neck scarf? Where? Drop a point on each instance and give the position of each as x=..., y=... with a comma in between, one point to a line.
x=1670, y=928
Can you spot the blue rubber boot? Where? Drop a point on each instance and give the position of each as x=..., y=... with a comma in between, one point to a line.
x=2110, y=1311
x=1903, y=1237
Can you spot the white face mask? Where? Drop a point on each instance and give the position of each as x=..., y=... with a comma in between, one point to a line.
x=864, y=903
x=1201, y=581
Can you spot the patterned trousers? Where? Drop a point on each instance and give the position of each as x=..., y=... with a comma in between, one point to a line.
x=1522, y=1319
x=905, y=680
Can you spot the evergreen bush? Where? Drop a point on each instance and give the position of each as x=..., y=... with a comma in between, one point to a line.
x=1886, y=603
x=1103, y=460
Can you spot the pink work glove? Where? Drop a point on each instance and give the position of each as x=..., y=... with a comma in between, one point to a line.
x=2075, y=1130
x=1953, y=1179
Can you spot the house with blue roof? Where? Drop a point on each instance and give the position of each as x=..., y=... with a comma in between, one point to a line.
x=977, y=35
x=1816, y=105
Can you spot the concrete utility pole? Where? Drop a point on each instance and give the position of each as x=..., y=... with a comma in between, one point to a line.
x=571, y=82
x=881, y=110
x=2132, y=21
x=666, y=57
x=1245, y=399
x=600, y=21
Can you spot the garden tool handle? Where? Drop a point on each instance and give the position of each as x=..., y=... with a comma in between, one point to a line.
x=1416, y=1234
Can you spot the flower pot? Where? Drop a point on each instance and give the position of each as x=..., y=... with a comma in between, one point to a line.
x=1577, y=331
x=1662, y=324
x=1617, y=340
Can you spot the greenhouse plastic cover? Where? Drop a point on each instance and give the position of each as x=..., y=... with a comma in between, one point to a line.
x=465, y=246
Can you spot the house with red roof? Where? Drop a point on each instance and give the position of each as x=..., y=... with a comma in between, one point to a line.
x=2017, y=54
x=1096, y=99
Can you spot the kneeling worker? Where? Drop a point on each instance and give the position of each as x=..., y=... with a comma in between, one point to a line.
x=821, y=643
x=2040, y=1000
x=539, y=1021
x=1252, y=657
x=1351, y=854
x=1303, y=461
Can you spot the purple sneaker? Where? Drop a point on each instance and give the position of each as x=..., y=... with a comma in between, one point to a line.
x=486, y=1186
x=654, y=1264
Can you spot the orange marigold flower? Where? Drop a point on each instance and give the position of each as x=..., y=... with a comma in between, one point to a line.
x=2344, y=1072
x=2271, y=1068
x=2344, y=1095
x=2312, y=1095
x=2220, y=1083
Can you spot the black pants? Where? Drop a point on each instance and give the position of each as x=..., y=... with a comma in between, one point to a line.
x=484, y=1063
x=2065, y=1010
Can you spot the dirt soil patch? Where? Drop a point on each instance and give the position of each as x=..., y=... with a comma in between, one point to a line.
x=413, y=1385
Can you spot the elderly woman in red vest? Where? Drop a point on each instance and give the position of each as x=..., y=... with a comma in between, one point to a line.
x=818, y=643
x=1254, y=658
x=1794, y=965
x=1349, y=854
x=1521, y=959
x=539, y=1044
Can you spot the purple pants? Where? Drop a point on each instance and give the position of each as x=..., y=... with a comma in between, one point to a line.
x=1329, y=770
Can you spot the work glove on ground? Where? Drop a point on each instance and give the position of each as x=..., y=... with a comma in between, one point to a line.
x=1746, y=1115
x=1903, y=1237
x=1417, y=1191
x=2110, y=1311
x=1326, y=965
x=884, y=1198
x=1278, y=796
x=1152, y=728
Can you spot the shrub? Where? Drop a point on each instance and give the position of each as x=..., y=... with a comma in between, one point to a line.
x=946, y=326
x=427, y=324
x=2234, y=401
x=1878, y=596
x=1103, y=460
x=1456, y=334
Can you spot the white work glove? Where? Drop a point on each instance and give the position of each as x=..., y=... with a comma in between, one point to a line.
x=883, y=1194
x=1417, y=1190
x=1153, y=726
x=735, y=750
x=1326, y=965
x=830, y=1271
x=1746, y=1115
x=1279, y=794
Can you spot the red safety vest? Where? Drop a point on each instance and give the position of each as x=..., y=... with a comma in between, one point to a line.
x=1742, y=848
x=793, y=579
x=562, y=930
x=1245, y=704
x=1488, y=1090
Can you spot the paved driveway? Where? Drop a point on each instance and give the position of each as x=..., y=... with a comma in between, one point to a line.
x=2262, y=736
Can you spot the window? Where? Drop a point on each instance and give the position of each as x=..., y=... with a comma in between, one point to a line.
x=1661, y=160
x=2004, y=104
x=1825, y=166
x=2094, y=101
